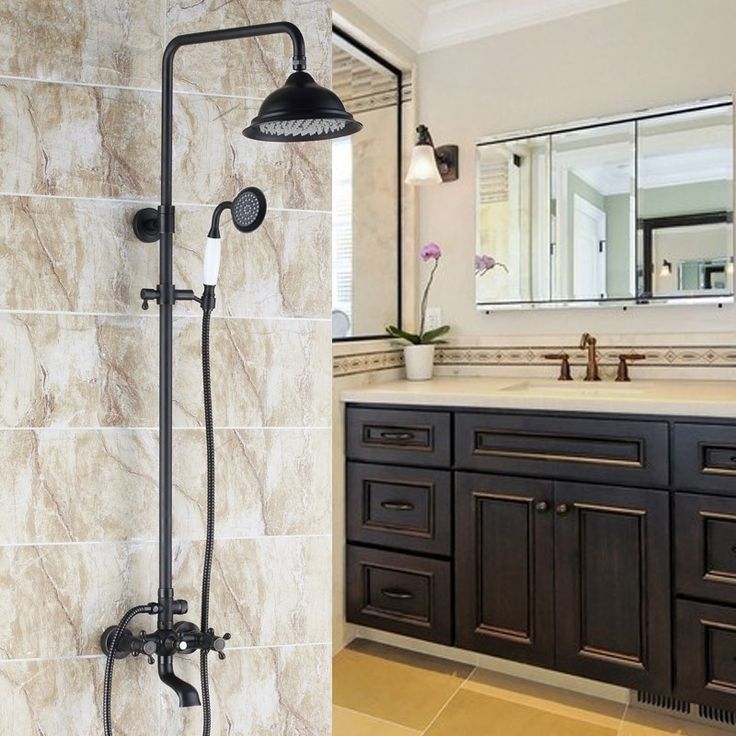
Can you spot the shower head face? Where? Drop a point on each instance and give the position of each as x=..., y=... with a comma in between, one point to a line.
x=248, y=209
x=301, y=111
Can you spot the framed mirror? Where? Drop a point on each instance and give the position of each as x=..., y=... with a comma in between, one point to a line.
x=366, y=195
x=634, y=210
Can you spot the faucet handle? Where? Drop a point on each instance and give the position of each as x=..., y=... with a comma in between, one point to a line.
x=564, y=357
x=622, y=375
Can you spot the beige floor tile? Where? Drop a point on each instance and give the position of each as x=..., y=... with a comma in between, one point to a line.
x=394, y=685
x=349, y=723
x=470, y=713
x=639, y=722
x=555, y=700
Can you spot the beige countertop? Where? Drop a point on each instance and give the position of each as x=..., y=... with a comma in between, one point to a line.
x=674, y=398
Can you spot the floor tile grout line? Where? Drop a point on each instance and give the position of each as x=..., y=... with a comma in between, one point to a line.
x=377, y=718
x=449, y=700
x=622, y=722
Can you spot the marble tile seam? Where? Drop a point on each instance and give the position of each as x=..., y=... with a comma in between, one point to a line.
x=126, y=200
x=129, y=88
x=93, y=657
x=151, y=541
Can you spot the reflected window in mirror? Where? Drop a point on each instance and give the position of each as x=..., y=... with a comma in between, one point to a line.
x=366, y=195
x=685, y=201
x=513, y=216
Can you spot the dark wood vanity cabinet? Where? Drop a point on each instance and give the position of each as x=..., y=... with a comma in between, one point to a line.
x=568, y=575
x=504, y=567
x=612, y=584
x=600, y=546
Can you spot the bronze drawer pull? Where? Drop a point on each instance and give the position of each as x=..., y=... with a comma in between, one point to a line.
x=397, y=435
x=399, y=595
x=397, y=505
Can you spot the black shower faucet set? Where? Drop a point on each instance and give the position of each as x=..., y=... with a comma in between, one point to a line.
x=299, y=111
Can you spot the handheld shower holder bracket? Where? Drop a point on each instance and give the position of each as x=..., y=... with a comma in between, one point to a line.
x=145, y=225
x=167, y=295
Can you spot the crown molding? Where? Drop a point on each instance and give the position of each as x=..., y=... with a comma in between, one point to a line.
x=450, y=22
x=426, y=25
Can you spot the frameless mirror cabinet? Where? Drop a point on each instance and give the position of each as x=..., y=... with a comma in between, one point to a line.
x=626, y=211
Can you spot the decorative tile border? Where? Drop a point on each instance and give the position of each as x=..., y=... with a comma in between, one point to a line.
x=676, y=356
x=350, y=365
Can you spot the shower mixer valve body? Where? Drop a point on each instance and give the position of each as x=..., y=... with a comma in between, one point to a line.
x=184, y=638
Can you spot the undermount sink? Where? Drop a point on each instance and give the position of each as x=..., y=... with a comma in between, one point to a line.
x=576, y=388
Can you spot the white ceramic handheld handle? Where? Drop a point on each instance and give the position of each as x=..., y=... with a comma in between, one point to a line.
x=211, y=262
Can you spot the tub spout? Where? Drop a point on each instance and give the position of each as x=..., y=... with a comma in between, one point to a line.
x=188, y=695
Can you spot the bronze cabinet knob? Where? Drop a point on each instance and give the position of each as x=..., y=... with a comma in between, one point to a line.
x=542, y=506
x=563, y=509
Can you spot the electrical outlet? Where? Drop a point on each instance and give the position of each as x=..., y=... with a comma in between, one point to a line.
x=434, y=318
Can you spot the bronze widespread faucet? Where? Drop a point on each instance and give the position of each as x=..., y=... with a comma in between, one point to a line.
x=587, y=341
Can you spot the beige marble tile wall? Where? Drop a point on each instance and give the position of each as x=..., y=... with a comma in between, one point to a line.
x=79, y=122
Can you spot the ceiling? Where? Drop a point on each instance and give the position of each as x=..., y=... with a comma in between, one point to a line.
x=424, y=25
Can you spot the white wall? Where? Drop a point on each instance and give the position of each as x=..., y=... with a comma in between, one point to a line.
x=642, y=53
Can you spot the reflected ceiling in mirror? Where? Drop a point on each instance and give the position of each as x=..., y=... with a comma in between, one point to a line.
x=631, y=210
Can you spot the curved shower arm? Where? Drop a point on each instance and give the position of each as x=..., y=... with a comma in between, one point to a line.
x=299, y=63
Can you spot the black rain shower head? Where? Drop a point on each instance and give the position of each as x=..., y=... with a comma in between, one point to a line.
x=248, y=211
x=301, y=110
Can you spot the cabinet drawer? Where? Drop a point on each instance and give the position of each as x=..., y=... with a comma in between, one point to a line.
x=568, y=448
x=398, y=436
x=705, y=457
x=705, y=547
x=406, y=508
x=400, y=593
x=706, y=654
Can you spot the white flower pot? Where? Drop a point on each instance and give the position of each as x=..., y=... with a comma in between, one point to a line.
x=419, y=362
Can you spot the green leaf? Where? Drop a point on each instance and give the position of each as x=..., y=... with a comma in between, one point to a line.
x=431, y=335
x=401, y=335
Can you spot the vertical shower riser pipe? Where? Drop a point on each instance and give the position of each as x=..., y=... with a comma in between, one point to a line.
x=166, y=285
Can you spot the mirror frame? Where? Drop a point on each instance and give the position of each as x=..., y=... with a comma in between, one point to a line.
x=371, y=54
x=618, y=303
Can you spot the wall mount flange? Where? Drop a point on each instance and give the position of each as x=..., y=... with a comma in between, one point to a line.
x=145, y=225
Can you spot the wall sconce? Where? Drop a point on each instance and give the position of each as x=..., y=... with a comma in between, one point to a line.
x=430, y=165
x=666, y=269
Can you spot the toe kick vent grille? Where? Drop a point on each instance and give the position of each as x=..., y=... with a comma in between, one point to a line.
x=687, y=709
x=719, y=715
x=663, y=702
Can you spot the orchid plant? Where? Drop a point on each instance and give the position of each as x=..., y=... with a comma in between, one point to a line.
x=430, y=252
x=485, y=263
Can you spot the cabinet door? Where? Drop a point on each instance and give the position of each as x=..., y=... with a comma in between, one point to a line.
x=503, y=567
x=612, y=585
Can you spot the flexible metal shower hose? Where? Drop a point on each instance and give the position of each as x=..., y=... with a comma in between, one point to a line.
x=210, y=537
x=110, y=663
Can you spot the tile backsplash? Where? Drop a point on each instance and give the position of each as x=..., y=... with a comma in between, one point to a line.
x=79, y=154
x=667, y=356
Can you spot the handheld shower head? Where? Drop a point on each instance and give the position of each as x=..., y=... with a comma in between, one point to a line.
x=248, y=211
